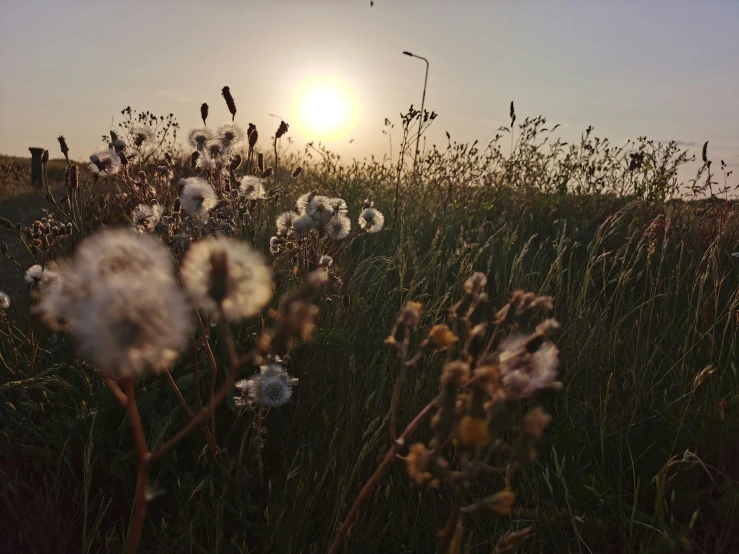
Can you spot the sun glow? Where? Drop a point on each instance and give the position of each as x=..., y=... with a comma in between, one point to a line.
x=325, y=109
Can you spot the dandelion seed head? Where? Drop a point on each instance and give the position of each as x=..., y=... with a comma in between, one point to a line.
x=105, y=161
x=371, y=220
x=197, y=196
x=301, y=204
x=326, y=261
x=524, y=373
x=231, y=271
x=34, y=273
x=252, y=188
x=338, y=205
x=276, y=245
x=319, y=208
x=199, y=136
x=145, y=218
x=142, y=135
x=338, y=227
x=230, y=135
x=122, y=251
x=285, y=222
x=129, y=327
x=303, y=224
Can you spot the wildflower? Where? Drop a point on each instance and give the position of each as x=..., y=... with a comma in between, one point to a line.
x=303, y=224
x=129, y=326
x=227, y=276
x=145, y=218
x=197, y=196
x=455, y=374
x=371, y=220
x=535, y=421
x=442, y=336
x=113, y=251
x=251, y=188
x=4, y=301
x=338, y=227
x=199, y=136
x=473, y=432
x=231, y=135
x=105, y=161
x=319, y=208
x=285, y=222
x=326, y=261
x=142, y=135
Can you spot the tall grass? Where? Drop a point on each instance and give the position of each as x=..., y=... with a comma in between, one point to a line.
x=640, y=456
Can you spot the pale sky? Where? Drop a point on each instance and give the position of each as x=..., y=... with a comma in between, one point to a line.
x=665, y=69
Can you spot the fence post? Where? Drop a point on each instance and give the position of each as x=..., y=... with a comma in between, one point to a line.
x=37, y=166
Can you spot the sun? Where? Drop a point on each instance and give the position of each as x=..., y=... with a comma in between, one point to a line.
x=325, y=109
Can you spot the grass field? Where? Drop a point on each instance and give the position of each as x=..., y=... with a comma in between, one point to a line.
x=639, y=456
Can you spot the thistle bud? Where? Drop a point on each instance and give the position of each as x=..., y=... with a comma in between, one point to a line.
x=297, y=172
x=204, y=112
x=45, y=157
x=253, y=137
x=113, y=136
x=235, y=162
x=260, y=161
x=226, y=92
x=194, y=159
x=63, y=146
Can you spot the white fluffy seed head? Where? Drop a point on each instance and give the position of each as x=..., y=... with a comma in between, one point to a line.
x=338, y=205
x=145, y=218
x=197, y=196
x=130, y=327
x=319, y=208
x=230, y=135
x=142, y=135
x=303, y=224
x=199, y=136
x=285, y=222
x=338, y=227
x=301, y=204
x=105, y=162
x=4, y=301
x=226, y=272
x=326, y=261
x=251, y=187
x=371, y=220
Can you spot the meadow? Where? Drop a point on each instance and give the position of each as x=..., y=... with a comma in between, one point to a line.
x=641, y=453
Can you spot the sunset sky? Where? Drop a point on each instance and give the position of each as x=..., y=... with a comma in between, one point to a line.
x=668, y=70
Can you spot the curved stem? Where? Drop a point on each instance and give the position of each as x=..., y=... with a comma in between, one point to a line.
x=142, y=485
x=379, y=472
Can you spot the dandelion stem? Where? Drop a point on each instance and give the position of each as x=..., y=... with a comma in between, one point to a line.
x=379, y=472
x=142, y=485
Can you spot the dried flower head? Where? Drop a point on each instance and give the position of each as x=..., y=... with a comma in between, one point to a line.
x=276, y=245
x=282, y=129
x=473, y=432
x=106, y=161
x=534, y=422
x=475, y=283
x=301, y=204
x=455, y=374
x=442, y=336
x=297, y=172
x=252, y=188
x=197, y=196
x=326, y=261
x=203, y=112
x=338, y=205
x=424, y=465
x=271, y=387
x=524, y=372
x=338, y=227
x=222, y=275
x=226, y=92
x=142, y=135
x=371, y=220
x=199, y=136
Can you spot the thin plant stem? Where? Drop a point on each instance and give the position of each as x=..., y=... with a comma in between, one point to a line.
x=377, y=475
x=142, y=485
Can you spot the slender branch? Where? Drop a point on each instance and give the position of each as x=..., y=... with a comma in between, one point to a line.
x=377, y=475
x=119, y=395
x=447, y=534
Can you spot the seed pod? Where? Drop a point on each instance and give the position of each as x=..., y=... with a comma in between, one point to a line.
x=45, y=157
x=297, y=172
x=235, y=162
x=63, y=146
x=194, y=158
x=253, y=137
x=260, y=161
x=204, y=112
